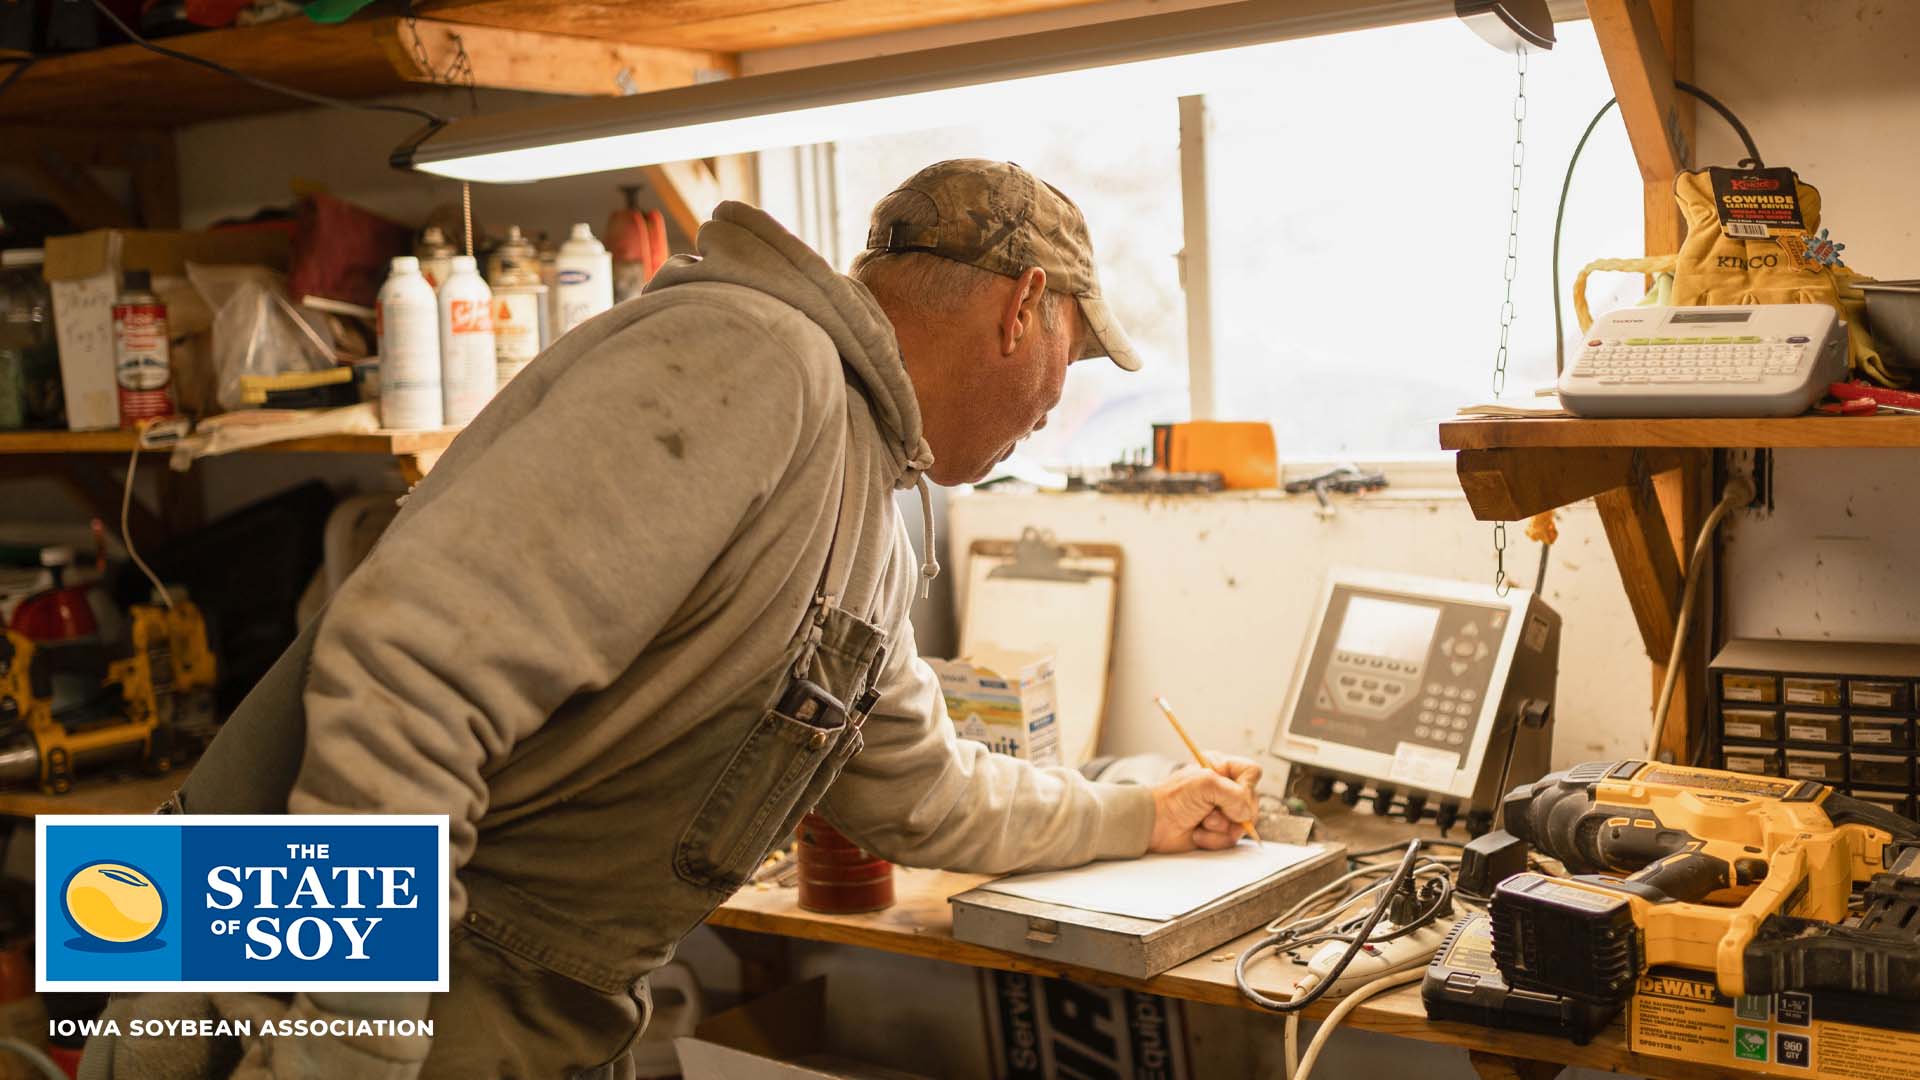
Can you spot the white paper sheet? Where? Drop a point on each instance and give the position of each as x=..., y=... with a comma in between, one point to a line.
x=1157, y=887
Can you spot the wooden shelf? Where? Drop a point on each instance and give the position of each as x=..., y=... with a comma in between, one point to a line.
x=1796, y=432
x=395, y=443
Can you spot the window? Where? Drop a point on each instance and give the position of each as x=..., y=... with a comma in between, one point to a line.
x=1358, y=190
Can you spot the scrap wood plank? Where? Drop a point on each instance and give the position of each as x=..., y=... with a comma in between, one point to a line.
x=428, y=50
x=125, y=86
x=1510, y=484
x=1643, y=549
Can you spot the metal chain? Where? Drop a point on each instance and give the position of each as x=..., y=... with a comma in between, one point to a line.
x=1501, y=584
x=466, y=212
x=1512, y=268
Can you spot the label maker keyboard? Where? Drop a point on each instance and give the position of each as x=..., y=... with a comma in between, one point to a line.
x=1755, y=360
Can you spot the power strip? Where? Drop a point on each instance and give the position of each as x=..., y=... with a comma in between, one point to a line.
x=1414, y=950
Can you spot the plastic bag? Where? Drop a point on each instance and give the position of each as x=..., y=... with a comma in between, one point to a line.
x=255, y=330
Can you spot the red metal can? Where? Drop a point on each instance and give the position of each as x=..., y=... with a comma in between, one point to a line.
x=836, y=877
x=142, y=362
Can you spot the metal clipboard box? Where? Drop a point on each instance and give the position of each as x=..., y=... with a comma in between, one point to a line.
x=1123, y=945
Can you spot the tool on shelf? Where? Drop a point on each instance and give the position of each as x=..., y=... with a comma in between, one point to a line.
x=159, y=690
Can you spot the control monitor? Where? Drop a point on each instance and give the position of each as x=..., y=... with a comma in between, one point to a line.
x=1435, y=693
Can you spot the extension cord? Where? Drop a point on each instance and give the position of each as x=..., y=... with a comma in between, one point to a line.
x=1374, y=960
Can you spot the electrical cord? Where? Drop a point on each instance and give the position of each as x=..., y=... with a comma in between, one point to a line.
x=1273, y=941
x=126, y=534
x=268, y=85
x=1752, y=160
x=1738, y=492
x=1340, y=1011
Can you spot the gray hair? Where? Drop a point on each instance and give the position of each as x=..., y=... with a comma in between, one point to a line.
x=932, y=285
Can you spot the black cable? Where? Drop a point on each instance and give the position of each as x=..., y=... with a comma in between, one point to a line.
x=264, y=84
x=1353, y=948
x=1355, y=856
x=1751, y=161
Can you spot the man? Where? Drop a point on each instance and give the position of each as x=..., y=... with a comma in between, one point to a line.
x=653, y=602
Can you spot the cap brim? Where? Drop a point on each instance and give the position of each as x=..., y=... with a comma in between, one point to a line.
x=1109, y=339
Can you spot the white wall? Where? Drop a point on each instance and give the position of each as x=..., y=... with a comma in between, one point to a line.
x=1217, y=594
x=1832, y=90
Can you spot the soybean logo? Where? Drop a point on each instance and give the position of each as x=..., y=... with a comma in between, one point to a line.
x=216, y=903
x=116, y=907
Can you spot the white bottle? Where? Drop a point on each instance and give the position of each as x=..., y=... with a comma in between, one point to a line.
x=409, y=321
x=583, y=286
x=467, y=371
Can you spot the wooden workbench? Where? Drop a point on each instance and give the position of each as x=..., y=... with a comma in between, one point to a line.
x=920, y=923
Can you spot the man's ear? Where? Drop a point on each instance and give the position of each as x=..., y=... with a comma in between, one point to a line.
x=1021, y=316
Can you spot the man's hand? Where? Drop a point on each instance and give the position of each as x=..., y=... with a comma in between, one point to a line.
x=1195, y=808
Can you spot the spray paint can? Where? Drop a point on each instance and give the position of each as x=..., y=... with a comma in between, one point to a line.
x=408, y=317
x=142, y=363
x=467, y=372
x=584, y=286
x=435, y=255
x=519, y=304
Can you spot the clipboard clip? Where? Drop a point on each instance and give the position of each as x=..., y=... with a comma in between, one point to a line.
x=1037, y=557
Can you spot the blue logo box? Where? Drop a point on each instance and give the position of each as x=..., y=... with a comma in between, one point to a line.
x=244, y=903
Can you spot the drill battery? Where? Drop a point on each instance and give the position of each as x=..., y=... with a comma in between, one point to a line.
x=1463, y=984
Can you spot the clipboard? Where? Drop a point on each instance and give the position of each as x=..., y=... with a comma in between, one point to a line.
x=1039, y=595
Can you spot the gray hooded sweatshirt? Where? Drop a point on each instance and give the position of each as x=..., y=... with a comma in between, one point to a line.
x=632, y=532
x=563, y=641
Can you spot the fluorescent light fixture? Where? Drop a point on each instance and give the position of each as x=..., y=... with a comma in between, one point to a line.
x=905, y=91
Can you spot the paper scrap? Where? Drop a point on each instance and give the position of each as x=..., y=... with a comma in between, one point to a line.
x=1157, y=887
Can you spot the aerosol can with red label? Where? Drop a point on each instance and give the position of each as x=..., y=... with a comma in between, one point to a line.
x=468, y=375
x=142, y=362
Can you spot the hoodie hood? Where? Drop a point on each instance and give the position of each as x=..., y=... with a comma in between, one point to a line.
x=743, y=245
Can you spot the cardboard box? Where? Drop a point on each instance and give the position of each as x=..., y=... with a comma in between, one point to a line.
x=1054, y=1029
x=1004, y=699
x=1679, y=1013
x=782, y=1036
x=84, y=272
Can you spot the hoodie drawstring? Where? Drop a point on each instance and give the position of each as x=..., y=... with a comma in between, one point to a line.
x=930, y=566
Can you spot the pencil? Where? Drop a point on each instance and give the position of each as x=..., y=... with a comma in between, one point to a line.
x=1197, y=755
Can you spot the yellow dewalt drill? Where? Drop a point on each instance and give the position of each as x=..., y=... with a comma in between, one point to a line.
x=169, y=659
x=1749, y=877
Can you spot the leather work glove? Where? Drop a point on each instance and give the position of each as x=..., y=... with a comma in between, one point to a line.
x=1714, y=268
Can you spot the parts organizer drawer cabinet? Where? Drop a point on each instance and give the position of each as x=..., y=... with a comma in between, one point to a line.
x=1838, y=713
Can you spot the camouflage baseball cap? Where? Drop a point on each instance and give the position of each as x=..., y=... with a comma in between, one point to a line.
x=998, y=216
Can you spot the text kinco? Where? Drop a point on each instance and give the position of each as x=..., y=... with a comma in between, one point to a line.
x=308, y=937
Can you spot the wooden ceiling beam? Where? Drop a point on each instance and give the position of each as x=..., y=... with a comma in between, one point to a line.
x=1642, y=76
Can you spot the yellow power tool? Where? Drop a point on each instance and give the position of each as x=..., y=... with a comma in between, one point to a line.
x=1749, y=877
x=169, y=660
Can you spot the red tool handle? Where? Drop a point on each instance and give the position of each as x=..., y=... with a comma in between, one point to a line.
x=1857, y=391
